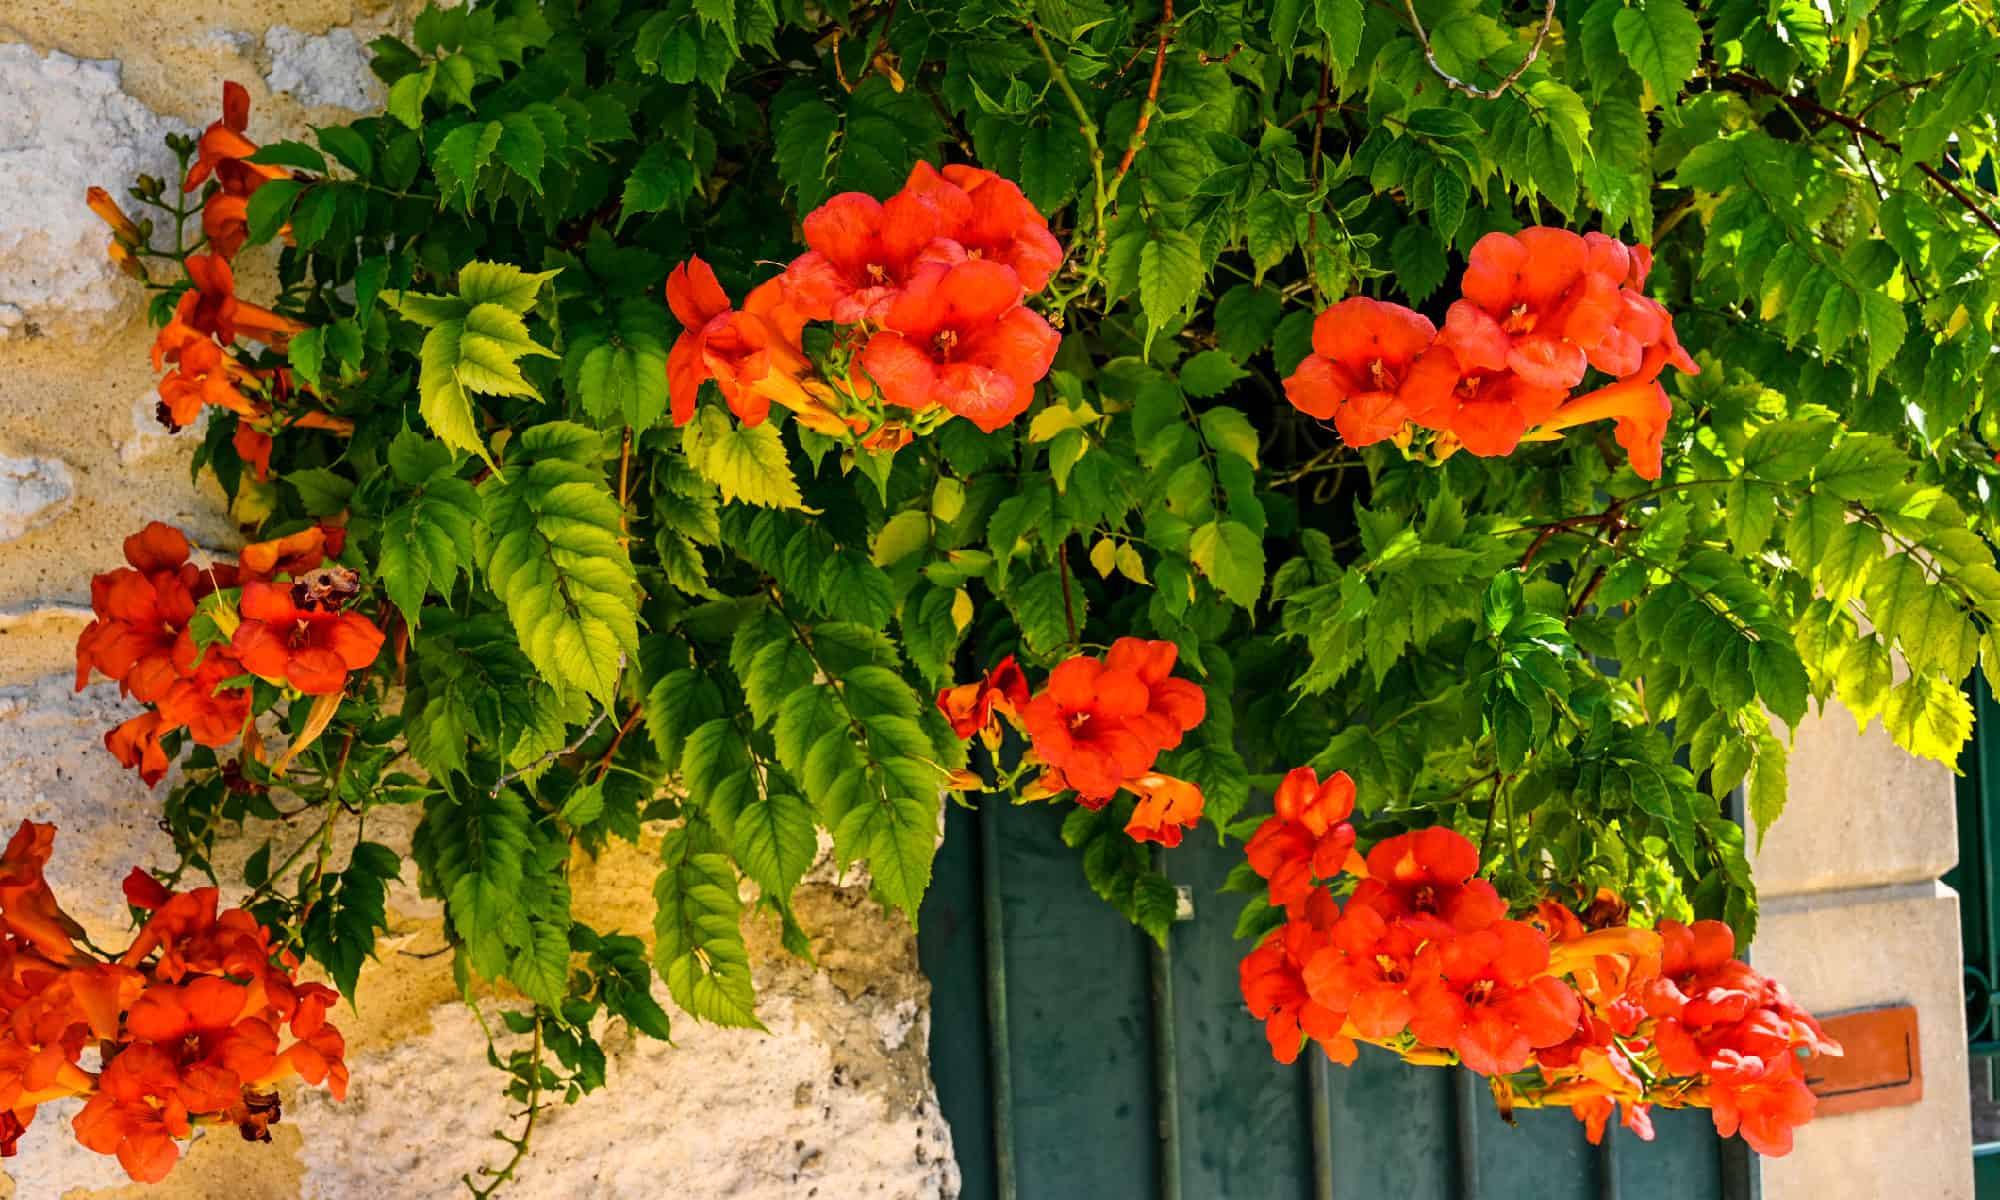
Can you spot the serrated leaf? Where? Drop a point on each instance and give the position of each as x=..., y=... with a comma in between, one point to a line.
x=1233, y=559
x=698, y=939
x=1169, y=275
x=1210, y=373
x=747, y=462
x=776, y=842
x=552, y=553
x=1930, y=717
x=1662, y=41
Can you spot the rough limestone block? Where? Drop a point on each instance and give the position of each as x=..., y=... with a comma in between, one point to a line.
x=65, y=124
x=1889, y=946
x=331, y=69
x=32, y=491
x=1861, y=812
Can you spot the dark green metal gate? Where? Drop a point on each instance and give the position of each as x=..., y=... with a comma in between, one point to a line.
x=1977, y=880
x=1077, y=1062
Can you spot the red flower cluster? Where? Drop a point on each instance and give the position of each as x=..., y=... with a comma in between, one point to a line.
x=1308, y=841
x=189, y=1023
x=288, y=629
x=197, y=343
x=1096, y=727
x=1423, y=959
x=927, y=288
x=223, y=153
x=1538, y=310
x=1718, y=1018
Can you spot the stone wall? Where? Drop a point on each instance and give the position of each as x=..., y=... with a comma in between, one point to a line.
x=1854, y=917
x=836, y=1101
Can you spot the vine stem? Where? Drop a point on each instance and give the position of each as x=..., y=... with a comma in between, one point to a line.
x=625, y=488
x=1507, y=81
x=1861, y=129
x=1087, y=127
x=625, y=729
x=1103, y=194
x=1319, y=127
x=321, y=837
x=1152, y=99
x=505, y=1173
x=588, y=732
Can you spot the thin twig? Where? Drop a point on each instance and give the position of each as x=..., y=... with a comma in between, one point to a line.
x=624, y=487
x=1152, y=100
x=625, y=728
x=1459, y=85
x=1085, y=126
x=589, y=731
x=1319, y=127
x=1861, y=129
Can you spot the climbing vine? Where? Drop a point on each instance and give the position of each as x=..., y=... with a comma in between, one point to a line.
x=739, y=427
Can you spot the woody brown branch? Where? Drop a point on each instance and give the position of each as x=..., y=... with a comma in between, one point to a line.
x=1860, y=128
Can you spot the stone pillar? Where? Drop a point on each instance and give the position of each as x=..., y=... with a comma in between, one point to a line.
x=1854, y=917
x=835, y=1100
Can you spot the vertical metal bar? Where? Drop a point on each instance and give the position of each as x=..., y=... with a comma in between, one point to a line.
x=1166, y=1071
x=1465, y=1113
x=1984, y=784
x=1607, y=1163
x=999, y=1053
x=1319, y=1080
x=1741, y=1178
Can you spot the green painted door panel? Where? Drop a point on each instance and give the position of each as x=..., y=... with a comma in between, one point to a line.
x=1109, y=1075
x=1080, y=1014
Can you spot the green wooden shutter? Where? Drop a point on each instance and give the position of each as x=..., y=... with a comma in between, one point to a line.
x=1077, y=1062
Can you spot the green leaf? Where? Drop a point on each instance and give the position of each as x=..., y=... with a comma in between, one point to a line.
x=1420, y=262
x=552, y=552
x=584, y=805
x=270, y=206
x=406, y=97
x=1768, y=785
x=1922, y=615
x=1784, y=451
x=662, y=178
x=321, y=491
x=1230, y=432
x=1930, y=717
x=1233, y=559
x=899, y=838
x=1342, y=22
x=1169, y=275
x=501, y=283
x=1812, y=529
x=776, y=842
x=1749, y=513
x=1038, y=606
x=427, y=542
x=1210, y=373
x=1780, y=678
x=479, y=849
x=747, y=462
x=541, y=968
x=1223, y=779
x=620, y=371
x=1662, y=41
x=1271, y=232
x=1861, y=466
x=698, y=936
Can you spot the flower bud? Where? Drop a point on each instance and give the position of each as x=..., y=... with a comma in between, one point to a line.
x=122, y=226
x=122, y=257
